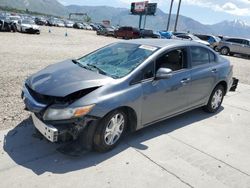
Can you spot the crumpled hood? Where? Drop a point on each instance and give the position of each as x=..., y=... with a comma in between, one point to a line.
x=64, y=78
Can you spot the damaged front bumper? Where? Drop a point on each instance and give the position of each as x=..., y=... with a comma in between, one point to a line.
x=54, y=131
x=61, y=131
x=48, y=131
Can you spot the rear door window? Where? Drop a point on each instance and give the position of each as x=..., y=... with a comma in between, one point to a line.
x=238, y=41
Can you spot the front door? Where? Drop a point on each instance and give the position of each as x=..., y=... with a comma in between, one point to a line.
x=165, y=97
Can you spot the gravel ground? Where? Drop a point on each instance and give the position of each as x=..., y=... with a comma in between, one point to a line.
x=23, y=54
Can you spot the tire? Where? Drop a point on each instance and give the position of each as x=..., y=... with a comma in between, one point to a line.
x=216, y=48
x=110, y=131
x=224, y=50
x=215, y=99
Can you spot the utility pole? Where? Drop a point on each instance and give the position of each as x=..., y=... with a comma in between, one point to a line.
x=145, y=18
x=177, y=16
x=140, y=20
x=170, y=12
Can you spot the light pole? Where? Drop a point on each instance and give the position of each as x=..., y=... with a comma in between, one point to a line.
x=169, y=15
x=177, y=16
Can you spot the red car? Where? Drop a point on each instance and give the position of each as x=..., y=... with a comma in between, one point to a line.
x=127, y=33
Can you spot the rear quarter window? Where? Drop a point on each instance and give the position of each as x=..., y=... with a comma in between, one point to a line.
x=199, y=56
x=212, y=57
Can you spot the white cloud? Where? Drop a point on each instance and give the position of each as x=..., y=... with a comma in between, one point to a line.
x=227, y=7
x=244, y=1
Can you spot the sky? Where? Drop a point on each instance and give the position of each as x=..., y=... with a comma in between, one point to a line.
x=204, y=11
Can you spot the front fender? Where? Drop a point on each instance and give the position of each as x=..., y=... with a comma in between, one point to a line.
x=105, y=102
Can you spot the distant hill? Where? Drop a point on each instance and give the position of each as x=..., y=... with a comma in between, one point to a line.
x=232, y=28
x=52, y=7
x=122, y=16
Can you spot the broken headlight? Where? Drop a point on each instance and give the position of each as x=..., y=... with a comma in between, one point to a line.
x=52, y=114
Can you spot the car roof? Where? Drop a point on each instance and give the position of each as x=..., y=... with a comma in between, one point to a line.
x=226, y=38
x=162, y=43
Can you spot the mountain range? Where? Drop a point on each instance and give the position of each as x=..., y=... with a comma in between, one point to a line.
x=122, y=16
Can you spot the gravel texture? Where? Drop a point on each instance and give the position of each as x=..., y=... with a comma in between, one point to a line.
x=22, y=55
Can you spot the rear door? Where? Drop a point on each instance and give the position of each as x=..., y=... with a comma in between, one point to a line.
x=235, y=45
x=203, y=75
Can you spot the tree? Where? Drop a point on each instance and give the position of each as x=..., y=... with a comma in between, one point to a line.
x=87, y=18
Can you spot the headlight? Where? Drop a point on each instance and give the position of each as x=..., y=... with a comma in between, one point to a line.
x=66, y=113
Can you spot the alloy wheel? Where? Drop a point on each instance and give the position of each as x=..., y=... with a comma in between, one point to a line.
x=114, y=129
x=217, y=99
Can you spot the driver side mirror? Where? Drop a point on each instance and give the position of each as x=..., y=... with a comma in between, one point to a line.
x=163, y=73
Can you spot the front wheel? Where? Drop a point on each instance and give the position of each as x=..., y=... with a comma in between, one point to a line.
x=110, y=131
x=215, y=99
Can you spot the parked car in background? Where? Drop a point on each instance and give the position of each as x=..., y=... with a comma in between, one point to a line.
x=27, y=26
x=40, y=21
x=106, y=31
x=231, y=46
x=127, y=33
x=51, y=22
x=68, y=23
x=14, y=18
x=78, y=25
x=87, y=26
x=94, y=26
x=6, y=25
x=211, y=39
x=191, y=37
x=146, y=33
x=127, y=85
x=59, y=23
x=175, y=33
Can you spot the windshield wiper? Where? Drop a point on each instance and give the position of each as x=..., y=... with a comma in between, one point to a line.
x=97, y=68
x=81, y=65
x=75, y=61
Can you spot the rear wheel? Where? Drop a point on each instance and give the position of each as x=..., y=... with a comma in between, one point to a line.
x=110, y=130
x=224, y=51
x=215, y=99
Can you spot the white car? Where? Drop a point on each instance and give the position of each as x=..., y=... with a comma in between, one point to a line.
x=87, y=26
x=27, y=26
x=68, y=24
x=192, y=38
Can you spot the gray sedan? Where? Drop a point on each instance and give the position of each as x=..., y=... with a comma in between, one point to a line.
x=127, y=85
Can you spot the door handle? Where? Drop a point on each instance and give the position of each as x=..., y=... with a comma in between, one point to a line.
x=185, y=80
x=214, y=71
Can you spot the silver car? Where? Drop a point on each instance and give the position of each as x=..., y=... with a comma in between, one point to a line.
x=27, y=26
x=191, y=37
x=231, y=46
x=127, y=85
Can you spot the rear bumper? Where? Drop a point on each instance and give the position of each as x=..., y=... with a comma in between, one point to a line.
x=234, y=85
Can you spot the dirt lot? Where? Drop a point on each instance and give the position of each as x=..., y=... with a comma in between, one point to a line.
x=23, y=54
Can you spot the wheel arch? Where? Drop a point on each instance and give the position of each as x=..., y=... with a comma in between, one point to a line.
x=131, y=115
x=224, y=84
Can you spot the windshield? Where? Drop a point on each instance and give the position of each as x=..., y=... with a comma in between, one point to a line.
x=195, y=37
x=117, y=60
x=217, y=39
x=28, y=22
